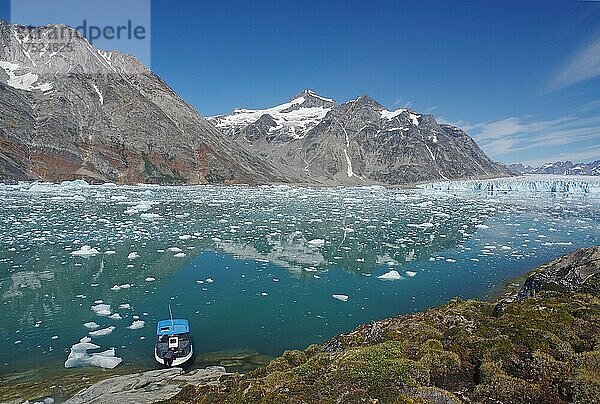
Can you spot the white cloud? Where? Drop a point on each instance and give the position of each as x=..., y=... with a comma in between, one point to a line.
x=503, y=138
x=584, y=65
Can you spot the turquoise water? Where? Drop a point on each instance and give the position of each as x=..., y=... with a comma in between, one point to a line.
x=254, y=269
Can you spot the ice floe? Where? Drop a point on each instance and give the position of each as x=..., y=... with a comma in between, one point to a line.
x=102, y=331
x=137, y=324
x=85, y=251
x=391, y=275
x=101, y=309
x=91, y=325
x=342, y=298
x=79, y=356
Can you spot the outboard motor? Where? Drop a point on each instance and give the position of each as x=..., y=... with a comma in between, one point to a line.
x=168, y=359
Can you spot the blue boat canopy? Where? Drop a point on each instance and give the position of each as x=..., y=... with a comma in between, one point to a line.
x=175, y=326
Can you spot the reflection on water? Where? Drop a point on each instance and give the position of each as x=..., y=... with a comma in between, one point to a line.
x=254, y=269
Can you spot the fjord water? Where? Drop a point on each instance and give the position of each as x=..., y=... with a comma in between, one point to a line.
x=254, y=268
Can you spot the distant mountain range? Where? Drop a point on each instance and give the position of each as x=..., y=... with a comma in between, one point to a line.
x=314, y=138
x=560, y=167
x=104, y=117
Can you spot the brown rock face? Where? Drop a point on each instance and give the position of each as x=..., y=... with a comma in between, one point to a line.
x=102, y=116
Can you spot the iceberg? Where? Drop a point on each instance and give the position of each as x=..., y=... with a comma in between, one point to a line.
x=390, y=276
x=342, y=298
x=137, y=324
x=91, y=325
x=318, y=242
x=103, y=331
x=79, y=357
x=101, y=309
x=85, y=251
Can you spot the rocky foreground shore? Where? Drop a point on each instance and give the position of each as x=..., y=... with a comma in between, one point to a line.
x=539, y=343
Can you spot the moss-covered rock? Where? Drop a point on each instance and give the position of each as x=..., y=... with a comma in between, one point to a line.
x=544, y=348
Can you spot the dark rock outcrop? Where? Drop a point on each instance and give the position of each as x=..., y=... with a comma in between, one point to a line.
x=576, y=272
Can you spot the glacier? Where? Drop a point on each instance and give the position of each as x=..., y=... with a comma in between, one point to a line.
x=524, y=183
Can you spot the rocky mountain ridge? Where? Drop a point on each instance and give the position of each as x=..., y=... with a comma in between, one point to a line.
x=559, y=167
x=76, y=112
x=83, y=113
x=357, y=142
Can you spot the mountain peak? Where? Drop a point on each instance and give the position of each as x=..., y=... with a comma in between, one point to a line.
x=366, y=101
x=309, y=94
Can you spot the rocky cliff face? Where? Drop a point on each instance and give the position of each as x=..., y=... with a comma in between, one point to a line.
x=358, y=142
x=102, y=116
x=81, y=113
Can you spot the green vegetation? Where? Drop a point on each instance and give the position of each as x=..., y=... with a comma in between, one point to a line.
x=541, y=349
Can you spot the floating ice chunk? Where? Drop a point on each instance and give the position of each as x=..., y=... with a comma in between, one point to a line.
x=91, y=325
x=150, y=279
x=79, y=357
x=185, y=237
x=450, y=260
x=179, y=255
x=101, y=309
x=410, y=273
x=390, y=276
x=103, y=331
x=150, y=216
x=342, y=298
x=137, y=324
x=85, y=251
x=482, y=226
x=119, y=287
x=110, y=252
x=209, y=280
x=426, y=225
x=125, y=306
x=264, y=294
x=105, y=359
x=317, y=242
x=115, y=316
x=133, y=255
x=175, y=249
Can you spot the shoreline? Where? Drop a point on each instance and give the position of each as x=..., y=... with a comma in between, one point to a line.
x=63, y=383
x=413, y=185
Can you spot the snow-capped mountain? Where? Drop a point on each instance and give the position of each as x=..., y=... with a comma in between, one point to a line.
x=560, y=168
x=84, y=113
x=79, y=112
x=313, y=138
x=288, y=121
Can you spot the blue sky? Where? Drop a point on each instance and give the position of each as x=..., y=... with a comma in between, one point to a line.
x=523, y=78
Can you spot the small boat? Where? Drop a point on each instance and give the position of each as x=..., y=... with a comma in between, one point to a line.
x=173, y=344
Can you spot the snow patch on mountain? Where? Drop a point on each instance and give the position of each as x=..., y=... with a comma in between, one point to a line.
x=389, y=115
x=25, y=81
x=290, y=117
